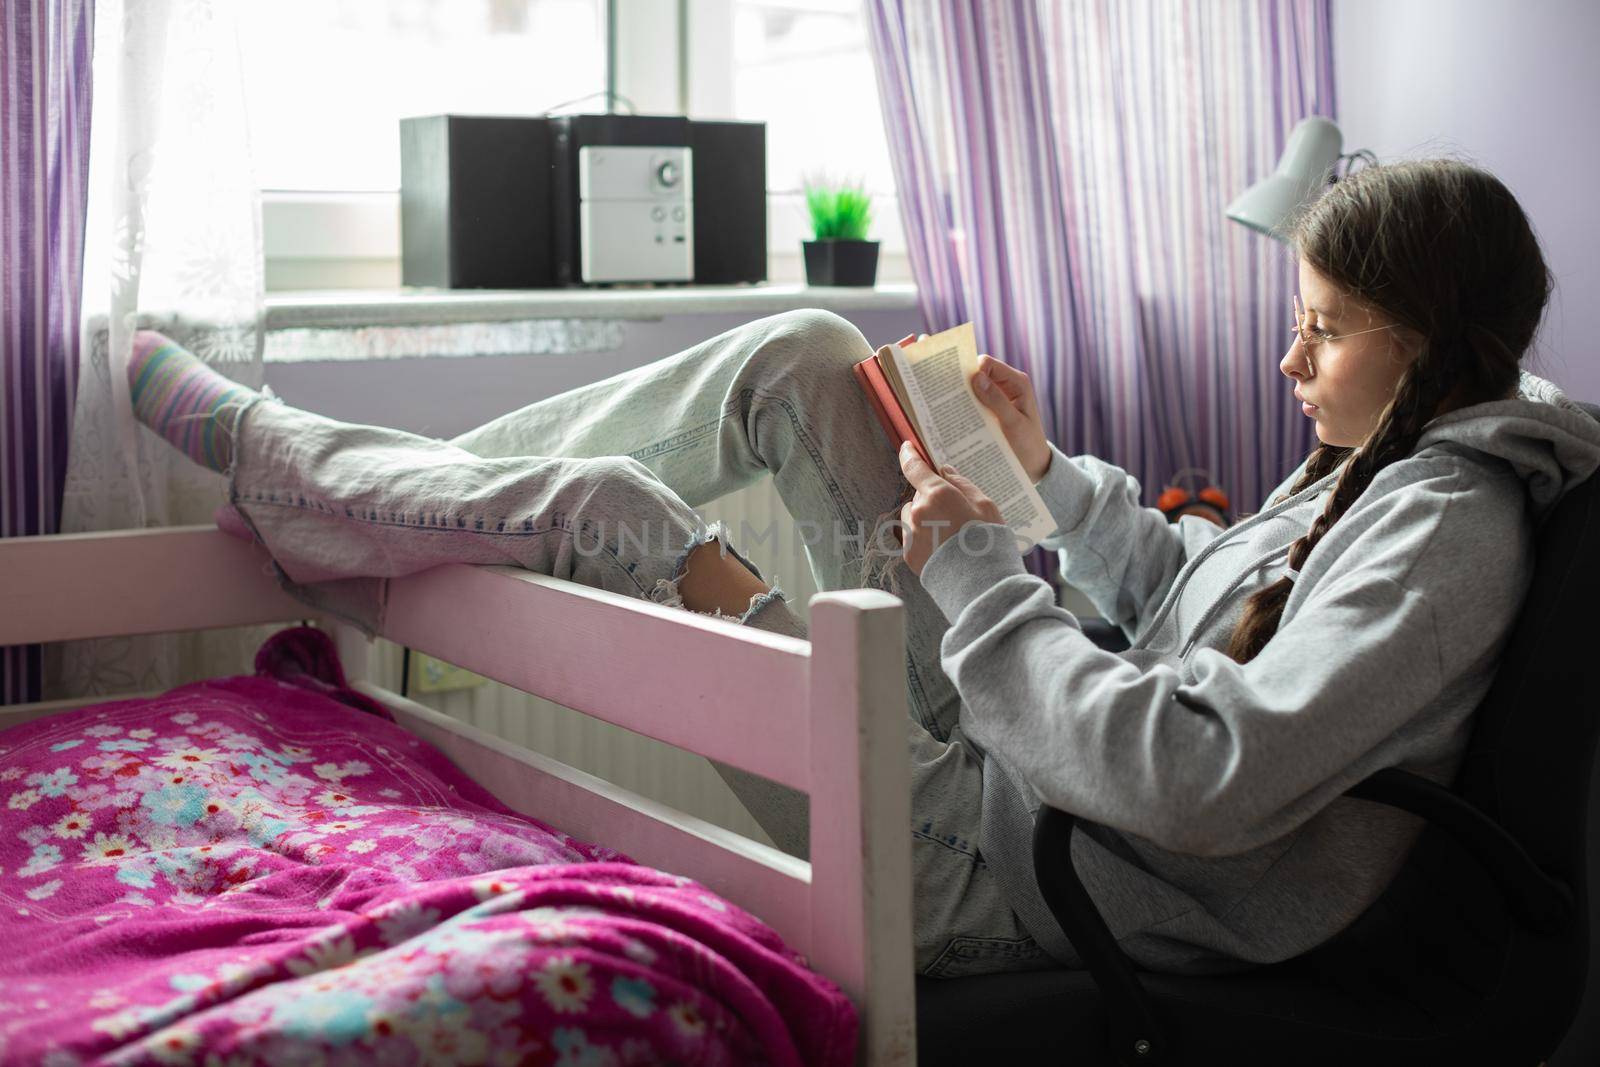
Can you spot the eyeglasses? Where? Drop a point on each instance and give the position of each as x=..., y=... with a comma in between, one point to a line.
x=1310, y=340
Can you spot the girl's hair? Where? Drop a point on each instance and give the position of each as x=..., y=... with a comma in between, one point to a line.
x=1443, y=248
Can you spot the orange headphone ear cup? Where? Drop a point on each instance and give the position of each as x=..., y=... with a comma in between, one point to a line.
x=1213, y=495
x=1171, y=497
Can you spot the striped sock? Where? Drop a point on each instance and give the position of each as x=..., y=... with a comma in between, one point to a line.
x=178, y=397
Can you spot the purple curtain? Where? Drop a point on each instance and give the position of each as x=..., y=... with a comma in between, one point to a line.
x=1063, y=166
x=45, y=81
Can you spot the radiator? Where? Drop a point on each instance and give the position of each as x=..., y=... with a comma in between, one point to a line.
x=635, y=762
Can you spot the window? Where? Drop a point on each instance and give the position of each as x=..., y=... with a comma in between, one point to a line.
x=804, y=67
x=327, y=82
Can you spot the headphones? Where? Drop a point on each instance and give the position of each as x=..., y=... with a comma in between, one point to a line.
x=1210, y=502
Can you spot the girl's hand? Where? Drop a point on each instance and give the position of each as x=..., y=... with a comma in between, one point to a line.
x=1008, y=393
x=943, y=504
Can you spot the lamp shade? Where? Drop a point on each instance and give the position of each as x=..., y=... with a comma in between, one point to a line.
x=1302, y=174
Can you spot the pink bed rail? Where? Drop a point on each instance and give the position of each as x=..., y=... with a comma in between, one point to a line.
x=825, y=716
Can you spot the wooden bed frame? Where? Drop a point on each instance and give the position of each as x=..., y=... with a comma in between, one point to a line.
x=826, y=716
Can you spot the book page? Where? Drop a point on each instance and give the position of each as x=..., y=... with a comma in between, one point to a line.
x=960, y=430
x=892, y=373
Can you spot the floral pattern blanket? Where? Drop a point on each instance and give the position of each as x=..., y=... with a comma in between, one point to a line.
x=269, y=870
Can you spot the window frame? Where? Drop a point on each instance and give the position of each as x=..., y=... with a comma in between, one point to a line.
x=315, y=240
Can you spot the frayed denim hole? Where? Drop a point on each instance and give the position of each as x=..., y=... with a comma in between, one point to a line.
x=666, y=590
x=759, y=602
x=883, y=559
x=719, y=531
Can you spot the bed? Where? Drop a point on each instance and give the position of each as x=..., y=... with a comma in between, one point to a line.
x=825, y=716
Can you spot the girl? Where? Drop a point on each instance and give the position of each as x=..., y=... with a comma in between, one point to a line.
x=1352, y=624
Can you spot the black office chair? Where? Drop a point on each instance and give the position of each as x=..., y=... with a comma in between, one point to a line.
x=1477, y=953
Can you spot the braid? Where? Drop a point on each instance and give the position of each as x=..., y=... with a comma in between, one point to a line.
x=1418, y=394
x=1324, y=459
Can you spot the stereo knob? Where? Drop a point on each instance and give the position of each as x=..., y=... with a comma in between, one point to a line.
x=667, y=174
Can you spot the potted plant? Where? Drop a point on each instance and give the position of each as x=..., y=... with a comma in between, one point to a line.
x=839, y=253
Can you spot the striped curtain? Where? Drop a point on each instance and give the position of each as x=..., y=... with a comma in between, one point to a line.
x=1063, y=166
x=45, y=78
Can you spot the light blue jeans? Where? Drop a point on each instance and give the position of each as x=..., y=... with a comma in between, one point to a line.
x=599, y=485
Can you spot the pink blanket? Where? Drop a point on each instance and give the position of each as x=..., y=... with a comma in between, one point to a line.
x=267, y=870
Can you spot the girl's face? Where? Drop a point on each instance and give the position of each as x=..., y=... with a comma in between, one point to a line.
x=1354, y=363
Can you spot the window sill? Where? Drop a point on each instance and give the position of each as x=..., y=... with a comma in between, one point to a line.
x=411, y=307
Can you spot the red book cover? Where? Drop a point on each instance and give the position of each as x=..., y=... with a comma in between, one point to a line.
x=891, y=416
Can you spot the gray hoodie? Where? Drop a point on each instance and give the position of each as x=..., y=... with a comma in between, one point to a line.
x=1212, y=827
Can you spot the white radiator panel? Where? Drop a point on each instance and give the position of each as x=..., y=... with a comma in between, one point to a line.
x=642, y=764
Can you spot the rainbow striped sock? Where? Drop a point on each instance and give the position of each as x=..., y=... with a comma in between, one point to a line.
x=178, y=397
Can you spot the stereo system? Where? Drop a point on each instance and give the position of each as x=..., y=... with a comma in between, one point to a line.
x=529, y=203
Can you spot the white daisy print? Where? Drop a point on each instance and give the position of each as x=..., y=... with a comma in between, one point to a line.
x=325, y=955
x=550, y=924
x=361, y=847
x=565, y=984
x=71, y=826
x=175, y=1044
x=401, y=920
x=119, y=1025
x=187, y=758
x=24, y=800
x=484, y=888
x=687, y=1018
x=107, y=848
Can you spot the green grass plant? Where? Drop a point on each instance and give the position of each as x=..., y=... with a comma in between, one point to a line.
x=838, y=212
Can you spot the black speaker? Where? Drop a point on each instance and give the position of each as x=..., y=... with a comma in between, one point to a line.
x=475, y=198
x=492, y=202
x=730, y=201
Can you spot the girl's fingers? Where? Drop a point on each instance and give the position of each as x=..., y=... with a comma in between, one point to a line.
x=986, y=508
x=1012, y=382
x=961, y=482
x=994, y=397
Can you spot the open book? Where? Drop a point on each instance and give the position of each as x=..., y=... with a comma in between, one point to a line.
x=922, y=392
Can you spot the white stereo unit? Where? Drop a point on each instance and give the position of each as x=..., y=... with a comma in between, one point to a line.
x=636, y=213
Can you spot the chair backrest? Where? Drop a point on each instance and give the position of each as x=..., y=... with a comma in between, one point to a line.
x=1529, y=766
x=1531, y=761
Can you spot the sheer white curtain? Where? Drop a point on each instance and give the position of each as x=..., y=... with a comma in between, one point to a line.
x=174, y=244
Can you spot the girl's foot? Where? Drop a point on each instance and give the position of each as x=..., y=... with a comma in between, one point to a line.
x=182, y=399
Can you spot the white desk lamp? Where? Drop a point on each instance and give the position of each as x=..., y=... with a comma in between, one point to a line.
x=1309, y=164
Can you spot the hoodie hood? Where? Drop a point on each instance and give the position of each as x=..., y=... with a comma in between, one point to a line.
x=1544, y=435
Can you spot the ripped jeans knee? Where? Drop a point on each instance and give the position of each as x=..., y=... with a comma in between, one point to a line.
x=667, y=590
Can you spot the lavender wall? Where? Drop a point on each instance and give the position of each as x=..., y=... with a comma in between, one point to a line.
x=1515, y=88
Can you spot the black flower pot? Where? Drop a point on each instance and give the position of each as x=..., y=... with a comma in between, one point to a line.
x=836, y=262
